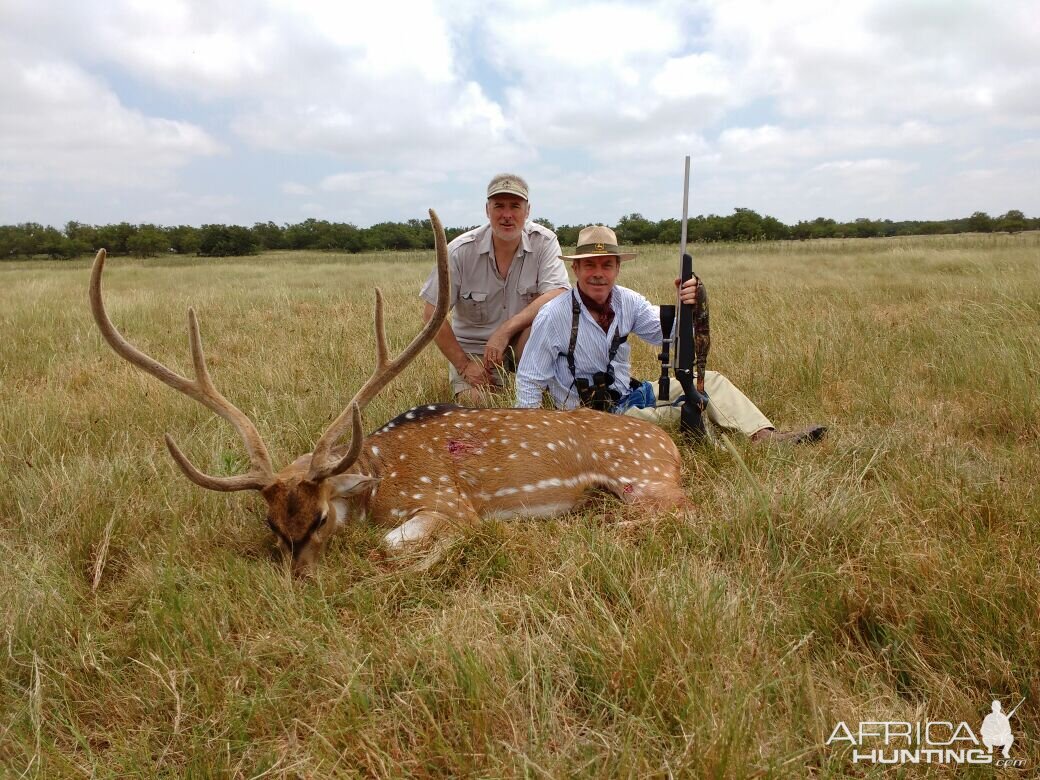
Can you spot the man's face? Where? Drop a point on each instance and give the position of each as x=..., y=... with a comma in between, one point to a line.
x=507, y=214
x=596, y=276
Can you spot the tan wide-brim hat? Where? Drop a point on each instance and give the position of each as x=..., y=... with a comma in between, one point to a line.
x=596, y=241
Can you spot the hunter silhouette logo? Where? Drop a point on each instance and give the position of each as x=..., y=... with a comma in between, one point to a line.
x=600, y=248
x=996, y=729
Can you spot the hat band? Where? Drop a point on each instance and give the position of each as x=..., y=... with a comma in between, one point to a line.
x=598, y=249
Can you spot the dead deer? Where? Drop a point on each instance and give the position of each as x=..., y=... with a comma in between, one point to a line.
x=431, y=467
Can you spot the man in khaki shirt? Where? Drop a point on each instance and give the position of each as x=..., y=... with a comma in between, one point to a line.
x=501, y=275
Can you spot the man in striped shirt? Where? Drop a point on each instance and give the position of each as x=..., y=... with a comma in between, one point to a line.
x=581, y=337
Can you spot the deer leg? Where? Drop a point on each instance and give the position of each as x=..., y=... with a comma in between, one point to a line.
x=426, y=524
x=655, y=496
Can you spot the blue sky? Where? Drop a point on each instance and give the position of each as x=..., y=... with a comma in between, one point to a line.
x=193, y=112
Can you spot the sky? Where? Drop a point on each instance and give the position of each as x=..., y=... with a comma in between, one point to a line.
x=184, y=112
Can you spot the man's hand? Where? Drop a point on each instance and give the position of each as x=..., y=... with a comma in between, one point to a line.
x=688, y=292
x=476, y=374
x=494, y=352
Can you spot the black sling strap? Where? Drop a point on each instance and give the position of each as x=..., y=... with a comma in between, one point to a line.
x=615, y=344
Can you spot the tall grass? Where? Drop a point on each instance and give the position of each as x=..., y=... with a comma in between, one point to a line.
x=888, y=574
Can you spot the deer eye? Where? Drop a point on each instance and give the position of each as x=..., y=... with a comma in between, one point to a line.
x=322, y=519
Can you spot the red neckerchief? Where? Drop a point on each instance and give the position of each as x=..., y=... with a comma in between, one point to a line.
x=603, y=312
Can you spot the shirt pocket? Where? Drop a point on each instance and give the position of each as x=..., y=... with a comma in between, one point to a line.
x=528, y=294
x=473, y=307
x=527, y=283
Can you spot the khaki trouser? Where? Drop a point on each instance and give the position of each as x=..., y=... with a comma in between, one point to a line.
x=728, y=408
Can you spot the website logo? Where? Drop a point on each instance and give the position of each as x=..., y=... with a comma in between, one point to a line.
x=932, y=741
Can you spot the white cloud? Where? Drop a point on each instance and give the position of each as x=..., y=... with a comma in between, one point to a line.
x=60, y=123
x=375, y=111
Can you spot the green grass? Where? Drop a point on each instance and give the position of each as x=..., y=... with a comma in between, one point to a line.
x=888, y=574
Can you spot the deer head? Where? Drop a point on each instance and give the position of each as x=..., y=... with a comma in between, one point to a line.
x=309, y=498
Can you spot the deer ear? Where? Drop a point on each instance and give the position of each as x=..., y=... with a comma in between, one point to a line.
x=345, y=485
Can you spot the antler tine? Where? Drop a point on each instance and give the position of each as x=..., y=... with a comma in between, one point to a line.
x=222, y=484
x=385, y=369
x=201, y=390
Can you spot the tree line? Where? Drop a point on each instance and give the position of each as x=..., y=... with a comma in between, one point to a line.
x=146, y=240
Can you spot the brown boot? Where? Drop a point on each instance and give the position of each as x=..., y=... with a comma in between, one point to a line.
x=804, y=436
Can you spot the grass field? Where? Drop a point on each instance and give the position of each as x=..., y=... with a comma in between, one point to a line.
x=889, y=574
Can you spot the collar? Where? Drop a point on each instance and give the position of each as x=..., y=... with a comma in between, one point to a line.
x=602, y=313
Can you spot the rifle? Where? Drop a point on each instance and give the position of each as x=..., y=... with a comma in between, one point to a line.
x=691, y=420
x=1010, y=714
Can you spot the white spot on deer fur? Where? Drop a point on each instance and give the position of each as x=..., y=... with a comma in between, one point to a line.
x=431, y=408
x=505, y=440
x=425, y=480
x=410, y=416
x=512, y=456
x=444, y=479
x=375, y=451
x=523, y=445
x=528, y=425
x=401, y=456
x=417, y=496
x=551, y=446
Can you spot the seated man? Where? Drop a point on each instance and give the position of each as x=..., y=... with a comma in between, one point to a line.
x=584, y=332
x=501, y=275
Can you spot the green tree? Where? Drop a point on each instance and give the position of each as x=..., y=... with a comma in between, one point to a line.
x=636, y=229
x=148, y=241
x=1012, y=222
x=980, y=222
x=269, y=235
x=114, y=238
x=226, y=241
x=183, y=239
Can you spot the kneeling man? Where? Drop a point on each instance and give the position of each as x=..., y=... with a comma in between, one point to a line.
x=584, y=333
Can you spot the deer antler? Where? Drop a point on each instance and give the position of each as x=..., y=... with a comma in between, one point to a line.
x=385, y=370
x=201, y=389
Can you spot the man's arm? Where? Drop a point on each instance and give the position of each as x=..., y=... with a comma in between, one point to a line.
x=537, y=366
x=499, y=340
x=552, y=281
x=470, y=370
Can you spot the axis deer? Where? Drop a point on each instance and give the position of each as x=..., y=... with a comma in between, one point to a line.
x=431, y=467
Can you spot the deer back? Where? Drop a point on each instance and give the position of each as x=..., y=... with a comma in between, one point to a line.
x=513, y=462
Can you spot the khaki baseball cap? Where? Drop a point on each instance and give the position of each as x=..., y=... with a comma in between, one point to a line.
x=507, y=184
